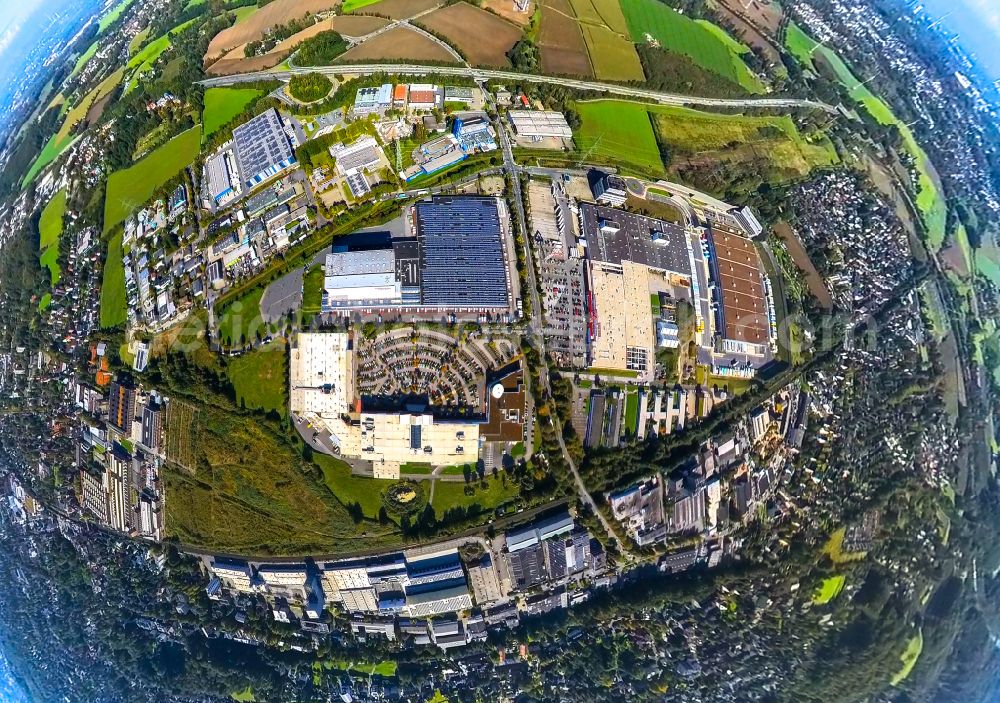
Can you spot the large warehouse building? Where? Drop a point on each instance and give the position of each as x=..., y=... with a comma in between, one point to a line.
x=323, y=392
x=456, y=261
x=263, y=148
x=741, y=309
x=631, y=258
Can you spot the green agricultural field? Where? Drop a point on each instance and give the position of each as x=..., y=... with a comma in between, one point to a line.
x=909, y=657
x=682, y=35
x=259, y=379
x=50, y=224
x=613, y=56
x=62, y=139
x=138, y=40
x=988, y=263
x=114, y=310
x=252, y=493
x=352, y=5
x=930, y=199
x=348, y=488
x=223, y=104
x=144, y=60
x=451, y=494
x=619, y=131
x=241, y=321
x=829, y=589
x=131, y=188
x=112, y=15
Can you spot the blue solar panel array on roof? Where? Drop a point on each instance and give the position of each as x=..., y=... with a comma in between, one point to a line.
x=462, y=263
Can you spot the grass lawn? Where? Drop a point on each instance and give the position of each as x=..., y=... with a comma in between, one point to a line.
x=113, y=14
x=241, y=321
x=909, y=657
x=770, y=148
x=131, y=188
x=45, y=302
x=244, y=696
x=631, y=412
x=138, y=40
x=312, y=291
x=348, y=488
x=452, y=494
x=620, y=131
x=828, y=590
x=834, y=548
x=50, y=260
x=416, y=467
x=223, y=104
x=701, y=43
x=50, y=224
x=114, y=311
x=930, y=200
x=259, y=379
x=352, y=5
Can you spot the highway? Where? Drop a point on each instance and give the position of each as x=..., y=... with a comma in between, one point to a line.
x=481, y=74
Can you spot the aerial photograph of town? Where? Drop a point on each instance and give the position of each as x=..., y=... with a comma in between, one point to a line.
x=500, y=351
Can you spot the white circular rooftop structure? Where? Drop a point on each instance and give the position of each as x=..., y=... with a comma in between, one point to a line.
x=497, y=391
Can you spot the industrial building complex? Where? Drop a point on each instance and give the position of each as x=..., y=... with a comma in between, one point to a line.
x=456, y=259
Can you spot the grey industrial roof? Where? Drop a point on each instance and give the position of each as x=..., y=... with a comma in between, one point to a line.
x=634, y=239
x=360, y=262
x=462, y=262
x=261, y=144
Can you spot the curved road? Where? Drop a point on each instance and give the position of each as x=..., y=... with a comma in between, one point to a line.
x=487, y=74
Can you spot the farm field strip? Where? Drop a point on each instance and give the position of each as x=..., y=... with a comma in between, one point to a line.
x=114, y=310
x=482, y=37
x=702, y=44
x=131, y=188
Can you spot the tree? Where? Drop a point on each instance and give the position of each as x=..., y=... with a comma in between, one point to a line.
x=309, y=87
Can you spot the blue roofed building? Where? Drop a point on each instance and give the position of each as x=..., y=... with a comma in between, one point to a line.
x=263, y=148
x=462, y=262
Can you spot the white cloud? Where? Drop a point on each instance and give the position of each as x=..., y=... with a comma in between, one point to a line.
x=7, y=36
x=989, y=12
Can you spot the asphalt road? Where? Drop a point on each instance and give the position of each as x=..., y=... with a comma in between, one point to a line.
x=282, y=295
x=487, y=74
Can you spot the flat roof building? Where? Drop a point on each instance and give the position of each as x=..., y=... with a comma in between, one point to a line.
x=742, y=313
x=262, y=147
x=361, y=155
x=373, y=99
x=361, y=278
x=539, y=124
x=424, y=96
x=614, y=236
x=462, y=262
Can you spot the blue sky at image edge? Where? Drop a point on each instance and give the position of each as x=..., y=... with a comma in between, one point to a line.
x=977, y=22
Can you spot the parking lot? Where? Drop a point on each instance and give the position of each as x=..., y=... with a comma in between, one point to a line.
x=450, y=371
x=564, y=310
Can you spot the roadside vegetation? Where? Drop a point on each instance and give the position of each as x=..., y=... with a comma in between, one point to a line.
x=310, y=87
